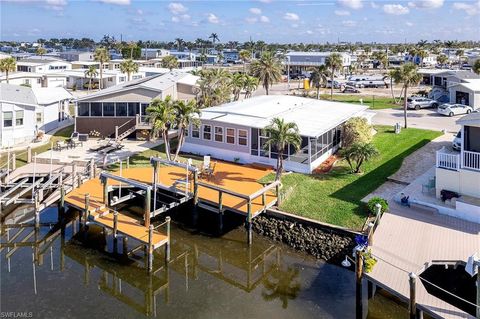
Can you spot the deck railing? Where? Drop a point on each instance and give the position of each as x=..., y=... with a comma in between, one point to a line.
x=471, y=160
x=448, y=160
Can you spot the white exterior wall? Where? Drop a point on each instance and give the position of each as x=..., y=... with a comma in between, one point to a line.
x=17, y=134
x=33, y=82
x=50, y=67
x=53, y=82
x=474, y=97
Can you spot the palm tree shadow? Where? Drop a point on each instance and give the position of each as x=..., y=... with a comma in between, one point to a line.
x=281, y=284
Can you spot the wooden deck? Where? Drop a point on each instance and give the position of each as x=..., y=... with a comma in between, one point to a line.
x=238, y=178
x=409, y=240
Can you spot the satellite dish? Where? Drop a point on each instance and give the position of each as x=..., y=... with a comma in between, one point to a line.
x=473, y=263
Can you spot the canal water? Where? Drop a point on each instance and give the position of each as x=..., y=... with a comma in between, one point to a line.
x=77, y=275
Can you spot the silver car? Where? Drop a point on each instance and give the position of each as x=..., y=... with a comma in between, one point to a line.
x=418, y=102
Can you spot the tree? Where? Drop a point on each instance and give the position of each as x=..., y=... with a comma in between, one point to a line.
x=90, y=73
x=162, y=114
x=186, y=113
x=251, y=84
x=245, y=55
x=41, y=51
x=356, y=130
x=8, y=65
x=179, y=42
x=267, y=69
x=381, y=57
x=170, y=62
x=422, y=54
x=128, y=67
x=318, y=77
x=333, y=62
x=406, y=74
x=215, y=87
x=101, y=55
x=442, y=59
x=357, y=154
x=214, y=38
x=238, y=83
x=459, y=53
x=476, y=66
x=280, y=135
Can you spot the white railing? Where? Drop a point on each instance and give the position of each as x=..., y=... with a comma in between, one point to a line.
x=448, y=161
x=471, y=160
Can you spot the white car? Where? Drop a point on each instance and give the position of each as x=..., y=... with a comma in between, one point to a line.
x=451, y=109
x=457, y=141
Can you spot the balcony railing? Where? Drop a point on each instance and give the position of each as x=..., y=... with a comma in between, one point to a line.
x=471, y=160
x=448, y=160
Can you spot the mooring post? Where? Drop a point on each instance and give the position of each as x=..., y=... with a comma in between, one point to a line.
x=195, y=198
x=358, y=285
x=115, y=223
x=150, y=248
x=378, y=212
x=279, y=198
x=167, y=246
x=128, y=162
x=148, y=197
x=61, y=203
x=413, y=302
x=29, y=154
x=37, y=212
x=105, y=191
x=220, y=211
x=249, y=222
x=87, y=208
x=125, y=245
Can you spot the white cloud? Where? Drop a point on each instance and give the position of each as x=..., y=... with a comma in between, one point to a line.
x=265, y=1
x=309, y=32
x=251, y=20
x=426, y=4
x=470, y=8
x=291, y=16
x=255, y=11
x=177, y=8
x=395, y=9
x=352, y=4
x=349, y=23
x=409, y=24
x=374, y=5
x=294, y=25
x=181, y=17
x=213, y=18
x=342, y=12
x=118, y=2
x=264, y=19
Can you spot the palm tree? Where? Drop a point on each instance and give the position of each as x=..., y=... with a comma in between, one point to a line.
x=442, y=59
x=161, y=114
x=357, y=154
x=101, y=55
x=128, y=67
x=333, y=62
x=245, y=55
x=214, y=38
x=251, y=84
x=238, y=83
x=476, y=66
x=406, y=74
x=170, y=62
x=41, y=51
x=215, y=87
x=8, y=65
x=90, y=73
x=186, y=113
x=131, y=45
x=280, y=135
x=179, y=43
x=318, y=77
x=267, y=69
x=459, y=53
x=422, y=54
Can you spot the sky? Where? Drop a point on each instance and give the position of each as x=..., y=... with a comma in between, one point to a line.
x=281, y=21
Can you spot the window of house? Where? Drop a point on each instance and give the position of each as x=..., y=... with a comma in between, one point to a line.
x=230, y=136
x=133, y=108
x=242, y=137
x=219, y=134
x=39, y=81
x=39, y=118
x=110, y=79
x=95, y=109
x=121, y=109
x=108, y=109
x=83, y=109
x=7, y=119
x=195, y=131
x=19, y=118
x=122, y=79
x=207, y=132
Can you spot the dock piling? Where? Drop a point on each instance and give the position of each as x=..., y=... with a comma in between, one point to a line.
x=413, y=302
x=220, y=211
x=85, y=212
x=358, y=285
x=279, y=199
x=115, y=223
x=150, y=248
x=249, y=223
x=167, y=246
x=61, y=203
x=37, y=212
x=125, y=245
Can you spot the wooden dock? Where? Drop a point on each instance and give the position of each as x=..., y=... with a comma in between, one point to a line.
x=409, y=240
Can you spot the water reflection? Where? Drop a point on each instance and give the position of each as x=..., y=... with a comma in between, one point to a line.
x=281, y=284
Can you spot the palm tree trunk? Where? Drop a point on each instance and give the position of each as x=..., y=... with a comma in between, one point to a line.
x=318, y=92
x=167, y=144
x=180, y=142
x=331, y=86
x=266, y=87
x=6, y=75
x=405, y=106
x=100, y=85
x=278, y=175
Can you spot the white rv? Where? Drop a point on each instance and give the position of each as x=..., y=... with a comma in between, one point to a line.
x=364, y=81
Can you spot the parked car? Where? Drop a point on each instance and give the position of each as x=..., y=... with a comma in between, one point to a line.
x=451, y=109
x=420, y=102
x=336, y=84
x=457, y=141
x=350, y=89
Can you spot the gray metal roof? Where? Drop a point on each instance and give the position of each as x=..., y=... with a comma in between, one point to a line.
x=17, y=94
x=472, y=119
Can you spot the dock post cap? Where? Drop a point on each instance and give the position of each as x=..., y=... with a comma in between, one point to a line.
x=168, y=218
x=412, y=275
x=150, y=227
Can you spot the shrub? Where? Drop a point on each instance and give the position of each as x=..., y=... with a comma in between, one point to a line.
x=373, y=201
x=357, y=130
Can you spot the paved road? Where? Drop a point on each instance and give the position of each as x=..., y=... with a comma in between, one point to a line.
x=426, y=119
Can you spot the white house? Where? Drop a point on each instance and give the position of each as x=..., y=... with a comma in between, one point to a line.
x=42, y=65
x=234, y=131
x=466, y=92
x=25, y=111
x=77, y=56
x=36, y=80
x=150, y=53
x=301, y=61
x=460, y=173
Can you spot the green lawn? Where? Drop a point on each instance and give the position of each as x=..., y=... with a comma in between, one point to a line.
x=335, y=197
x=62, y=134
x=373, y=102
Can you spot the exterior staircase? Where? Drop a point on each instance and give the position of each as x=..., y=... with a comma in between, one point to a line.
x=141, y=123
